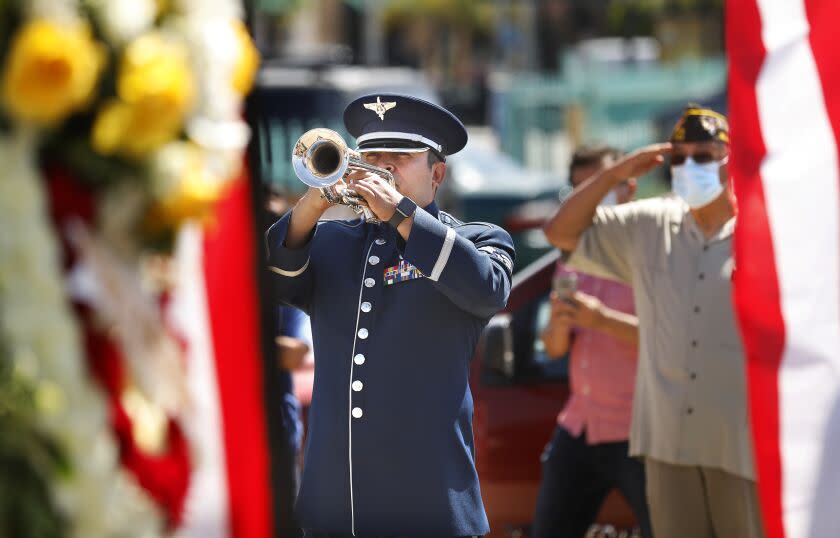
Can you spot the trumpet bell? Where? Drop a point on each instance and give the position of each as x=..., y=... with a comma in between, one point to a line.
x=320, y=158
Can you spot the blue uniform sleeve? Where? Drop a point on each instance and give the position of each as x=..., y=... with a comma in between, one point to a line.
x=292, y=282
x=473, y=268
x=294, y=322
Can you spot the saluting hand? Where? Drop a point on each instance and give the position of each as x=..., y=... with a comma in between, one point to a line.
x=641, y=161
x=379, y=195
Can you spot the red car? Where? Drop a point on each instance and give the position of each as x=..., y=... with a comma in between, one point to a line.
x=518, y=393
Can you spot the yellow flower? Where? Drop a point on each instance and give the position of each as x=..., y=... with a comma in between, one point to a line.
x=185, y=187
x=194, y=199
x=155, y=70
x=51, y=71
x=249, y=60
x=156, y=91
x=133, y=130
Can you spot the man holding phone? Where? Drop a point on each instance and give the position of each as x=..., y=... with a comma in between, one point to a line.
x=592, y=323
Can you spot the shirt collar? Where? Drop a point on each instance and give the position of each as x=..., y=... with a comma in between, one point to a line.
x=432, y=209
x=726, y=230
x=723, y=234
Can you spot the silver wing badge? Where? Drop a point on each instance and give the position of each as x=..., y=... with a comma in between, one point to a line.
x=380, y=108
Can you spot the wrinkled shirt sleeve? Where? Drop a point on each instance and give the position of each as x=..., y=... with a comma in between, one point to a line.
x=606, y=247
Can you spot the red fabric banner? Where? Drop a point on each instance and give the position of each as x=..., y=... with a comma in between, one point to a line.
x=230, y=273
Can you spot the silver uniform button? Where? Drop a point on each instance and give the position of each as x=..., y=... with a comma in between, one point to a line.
x=380, y=241
x=373, y=260
x=359, y=359
x=369, y=283
x=363, y=333
x=357, y=412
x=366, y=306
x=357, y=386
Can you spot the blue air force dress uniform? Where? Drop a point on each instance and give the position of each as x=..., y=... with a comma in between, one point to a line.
x=395, y=323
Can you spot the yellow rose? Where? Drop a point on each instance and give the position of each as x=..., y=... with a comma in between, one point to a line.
x=156, y=70
x=184, y=187
x=133, y=130
x=51, y=71
x=156, y=91
x=249, y=60
x=194, y=199
x=110, y=126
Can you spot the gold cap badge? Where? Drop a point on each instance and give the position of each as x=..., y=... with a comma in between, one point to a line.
x=380, y=108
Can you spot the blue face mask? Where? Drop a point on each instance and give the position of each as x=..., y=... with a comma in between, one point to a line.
x=697, y=184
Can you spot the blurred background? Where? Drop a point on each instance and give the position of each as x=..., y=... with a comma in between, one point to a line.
x=532, y=79
x=145, y=147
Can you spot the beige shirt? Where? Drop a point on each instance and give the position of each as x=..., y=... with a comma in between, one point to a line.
x=690, y=405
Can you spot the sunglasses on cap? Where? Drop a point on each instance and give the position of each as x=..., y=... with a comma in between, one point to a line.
x=702, y=157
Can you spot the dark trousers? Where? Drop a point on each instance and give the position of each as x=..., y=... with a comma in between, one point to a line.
x=286, y=469
x=576, y=479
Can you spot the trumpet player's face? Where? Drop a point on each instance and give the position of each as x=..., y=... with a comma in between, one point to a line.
x=414, y=176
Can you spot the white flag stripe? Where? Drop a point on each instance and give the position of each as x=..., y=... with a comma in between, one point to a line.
x=800, y=180
x=206, y=508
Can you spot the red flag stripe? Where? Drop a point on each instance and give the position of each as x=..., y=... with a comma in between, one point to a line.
x=799, y=179
x=229, y=262
x=207, y=511
x=756, y=282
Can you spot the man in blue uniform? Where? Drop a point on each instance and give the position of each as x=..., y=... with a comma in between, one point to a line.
x=396, y=311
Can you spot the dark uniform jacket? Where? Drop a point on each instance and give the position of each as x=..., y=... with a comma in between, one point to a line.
x=390, y=448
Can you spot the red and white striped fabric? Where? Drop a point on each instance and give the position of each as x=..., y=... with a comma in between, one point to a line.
x=784, y=91
x=216, y=310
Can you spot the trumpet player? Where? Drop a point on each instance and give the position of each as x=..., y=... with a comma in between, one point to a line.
x=397, y=303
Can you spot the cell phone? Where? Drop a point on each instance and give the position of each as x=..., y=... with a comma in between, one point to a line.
x=564, y=285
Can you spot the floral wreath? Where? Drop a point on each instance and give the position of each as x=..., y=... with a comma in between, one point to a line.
x=120, y=120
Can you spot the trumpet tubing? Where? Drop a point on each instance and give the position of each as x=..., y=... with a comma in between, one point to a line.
x=322, y=159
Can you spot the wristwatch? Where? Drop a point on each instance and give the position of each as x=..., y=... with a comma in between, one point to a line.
x=405, y=209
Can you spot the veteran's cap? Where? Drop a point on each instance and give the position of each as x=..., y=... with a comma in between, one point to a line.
x=402, y=123
x=700, y=124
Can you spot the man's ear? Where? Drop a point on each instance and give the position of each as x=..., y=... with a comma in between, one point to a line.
x=438, y=174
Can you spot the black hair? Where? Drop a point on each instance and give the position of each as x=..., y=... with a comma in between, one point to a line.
x=432, y=157
x=593, y=154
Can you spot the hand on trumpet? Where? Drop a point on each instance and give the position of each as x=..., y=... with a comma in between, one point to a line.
x=315, y=200
x=380, y=197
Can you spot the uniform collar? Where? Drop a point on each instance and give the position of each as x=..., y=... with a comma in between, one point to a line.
x=432, y=209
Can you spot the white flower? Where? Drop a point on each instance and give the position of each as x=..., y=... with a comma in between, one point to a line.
x=100, y=499
x=209, y=8
x=216, y=123
x=53, y=9
x=123, y=20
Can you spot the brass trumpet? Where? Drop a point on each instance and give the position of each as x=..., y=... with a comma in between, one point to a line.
x=322, y=159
